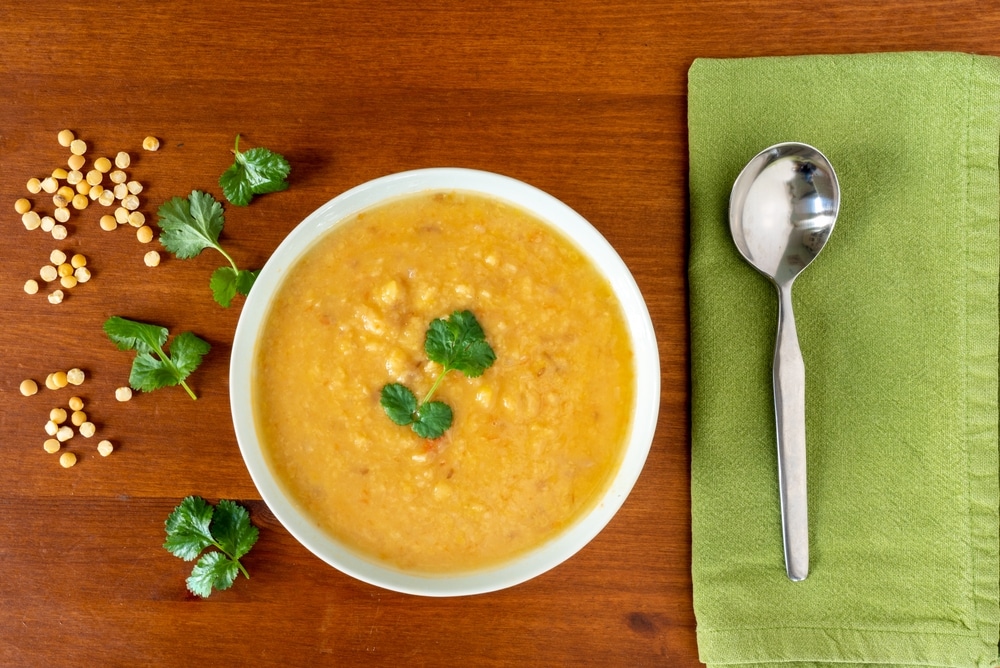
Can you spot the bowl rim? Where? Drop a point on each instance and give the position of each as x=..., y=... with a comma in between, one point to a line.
x=558, y=215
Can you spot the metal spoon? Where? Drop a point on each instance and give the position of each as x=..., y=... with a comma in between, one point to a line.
x=781, y=212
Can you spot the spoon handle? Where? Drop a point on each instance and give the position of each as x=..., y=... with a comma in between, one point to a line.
x=789, y=408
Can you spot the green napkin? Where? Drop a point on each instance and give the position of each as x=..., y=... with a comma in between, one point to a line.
x=898, y=323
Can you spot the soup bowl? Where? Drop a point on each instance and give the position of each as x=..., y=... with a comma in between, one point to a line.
x=554, y=550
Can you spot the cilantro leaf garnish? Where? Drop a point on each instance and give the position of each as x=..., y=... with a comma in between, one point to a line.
x=189, y=226
x=254, y=172
x=457, y=344
x=195, y=525
x=153, y=367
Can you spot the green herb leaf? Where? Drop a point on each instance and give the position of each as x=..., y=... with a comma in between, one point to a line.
x=214, y=569
x=189, y=226
x=227, y=282
x=399, y=403
x=223, y=284
x=153, y=368
x=433, y=419
x=457, y=343
x=188, y=528
x=245, y=278
x=195, y=525
x=255, y=172
x=187, y=352
x=232, y=529
x=132, y=335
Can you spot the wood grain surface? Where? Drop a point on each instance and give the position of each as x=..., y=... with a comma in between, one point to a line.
x=584, y=99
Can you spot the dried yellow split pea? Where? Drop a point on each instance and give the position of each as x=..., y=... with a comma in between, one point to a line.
x=151, y=143
x=31, y=220
x=28, y=387
x=48, y=273
x=67, y=459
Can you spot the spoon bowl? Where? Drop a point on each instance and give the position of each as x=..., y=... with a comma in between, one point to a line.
x=781, y=212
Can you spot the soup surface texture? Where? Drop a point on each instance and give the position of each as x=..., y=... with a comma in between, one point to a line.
x=535, y=440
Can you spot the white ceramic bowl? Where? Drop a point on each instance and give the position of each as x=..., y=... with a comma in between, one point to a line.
x=542, y=205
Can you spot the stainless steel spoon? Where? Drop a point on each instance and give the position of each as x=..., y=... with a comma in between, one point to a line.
x=781, y=212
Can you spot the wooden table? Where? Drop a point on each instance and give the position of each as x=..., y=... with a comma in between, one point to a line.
x=583, y=99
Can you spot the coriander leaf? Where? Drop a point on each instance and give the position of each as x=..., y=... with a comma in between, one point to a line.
x=223, y=284
x=232, y=529
x=153, y=367
x=227, y=282
x=186, y=353
x=132, y=335
x=433, y=419
x=149, y=373
x=255, y=172
x=190, y=225
x=245, y=279
x=456, y=343
x=236, y=188
x=399, y=403
x=214, y=569
x=195, y=525
x=188, y=530
x=459, y=343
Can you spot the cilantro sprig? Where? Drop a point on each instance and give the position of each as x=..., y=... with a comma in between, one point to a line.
x=189, y=226
x=195, y=525
x=153, y=367
x=457, y=344
x=254, y=172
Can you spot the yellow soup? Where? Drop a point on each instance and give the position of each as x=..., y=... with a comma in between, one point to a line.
x=535, y=440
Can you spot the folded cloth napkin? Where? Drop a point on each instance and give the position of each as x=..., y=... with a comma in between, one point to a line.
x=898, y=323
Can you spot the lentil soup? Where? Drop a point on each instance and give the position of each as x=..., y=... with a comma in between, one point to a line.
x=535, y=440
